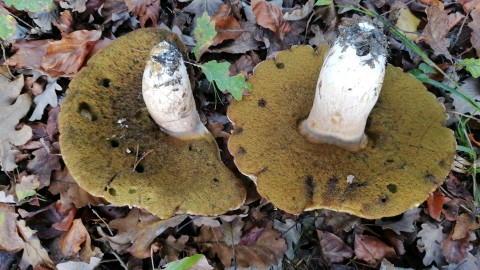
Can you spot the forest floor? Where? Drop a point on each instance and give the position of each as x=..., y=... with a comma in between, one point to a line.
x=48, y=222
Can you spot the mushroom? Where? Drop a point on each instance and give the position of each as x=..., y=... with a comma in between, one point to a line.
x=407, y=155
x=114, y=149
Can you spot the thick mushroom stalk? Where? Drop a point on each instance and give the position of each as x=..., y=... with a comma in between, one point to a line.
x=167, y=92
x=348, y=87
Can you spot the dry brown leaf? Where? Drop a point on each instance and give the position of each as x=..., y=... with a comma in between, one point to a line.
x=405, y=224
x=66, y=56
x=14, y=107
x=300, y=14
x=172, y=247
x=33, y=252
x=335, y=221
x=396, y=241
x=137, y=231
x=435, y=203
x=371, y=249
x=464, y=224
x=29, y=54
x=455, y=251
x=469, y=5
x=8, y=229
x=71, y=241
x=26, y=186
x=45, y=161
x=226, y=25
x=260, y=247
x=475, y=26
x=267, y=15
x=437, y=28
x=146, y=10
x=65, y=23
x=70, y=193
x=334, y=250
x=456, y=187
x=198, y=7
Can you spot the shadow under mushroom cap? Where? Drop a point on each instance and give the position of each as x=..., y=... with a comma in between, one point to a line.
x=104, y=122
x=408, y=155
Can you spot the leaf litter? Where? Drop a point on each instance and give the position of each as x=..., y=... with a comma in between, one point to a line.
x=42, y=208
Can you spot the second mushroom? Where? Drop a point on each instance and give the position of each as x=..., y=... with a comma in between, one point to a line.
x=349, y=152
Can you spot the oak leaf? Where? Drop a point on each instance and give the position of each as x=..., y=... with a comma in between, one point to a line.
x=137, y=231
x=267, y=15
x=456, y=251
x=66, y=56
x=14, y=107
x=71, y=241
x=33, y=252
x=29, y=54
x=226, y=26
x=198, y=7
x=46, y=160
x=405, y=224
x=145, y=10
x=371, y=249
x=8, y=229
x=291, y=231
x=334, y=250
x=48, y=97
x=431, y=237
x=437, y=28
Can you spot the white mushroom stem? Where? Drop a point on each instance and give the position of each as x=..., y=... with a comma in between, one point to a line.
x=348, y=87
x=167, y=92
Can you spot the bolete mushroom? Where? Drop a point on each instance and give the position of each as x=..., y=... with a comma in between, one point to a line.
x=408, y=152
x=113, y=147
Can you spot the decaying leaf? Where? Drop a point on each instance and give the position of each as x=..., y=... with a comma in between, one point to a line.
x=48, y=97
x=146, y=10
x=29, y=54
x=291, y=231
x=73, y=265
x=437, y=28
x=66, y=56
x=406, y=21
x=74, y=5
x=70, y=242
x=26, y=186
x=471, y=88
x=44, y=163
x=431, y=238
x=405, y=224
x=33, y=252
x=260, y=247
x=137, y=230
x=463, y=225
x=14, y=107
x=8, y=230
x=435, y=203
x=475, y=26
x=198, y=7
x=267, y=15
x=226, y=26
x=204, y=35
x=371, y=249
x=334, y=250
x=335, y=221
x=300, y=14
x=456, y=251
x=172, y=247
x=456, y=187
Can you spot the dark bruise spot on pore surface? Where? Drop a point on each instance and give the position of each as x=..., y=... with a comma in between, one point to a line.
x=310, y=186
x=351, y=188
x=169, y=59
x=432, y=178
x=238, y=130
x=241, y=151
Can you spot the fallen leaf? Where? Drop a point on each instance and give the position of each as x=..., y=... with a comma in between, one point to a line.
x=72, y=265
x=220, y=74
x=146, y=10
x=396, y=241
x=195, y=262
x=291, y=231
x=371, y=249
x=70, y=193
x=70, y=242
x=226, y=26
x=464, y=224
x=244, y=43
x=28, y=5
x=48, y=97
x=50, y=221
x=437, y=28
x=26, y=186
x=267, y=15
x=471, y=88
x=29, y=54
x=8, y=230
x=206, y=221
x=435, y=202
x=33, y=252
x=406, y=21
x=471, y=65
x=300, y=14
x=260, y=247
x=74, y=5
x=405, y=224
x=198, y=7
x=137, y=231
x=455, y=251
x=65, y=23
x=469, y=5
x=8, y=24
x=475, y=26
x=204, y=35
x=334, y=250
x=52, y=124
x=46, y=160
x=457, y=188
x=172, y=247
x=66, y=56
x=14, y=107
x=335, y=221
x=4, y=198
x=430, y=239
x=451, y=208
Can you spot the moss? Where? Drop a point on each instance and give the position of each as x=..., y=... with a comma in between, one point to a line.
x=408, y=155
x=104, y=124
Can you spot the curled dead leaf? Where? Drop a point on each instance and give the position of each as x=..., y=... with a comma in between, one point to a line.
x=267, y=15
x=371, y=249
x=334, y=250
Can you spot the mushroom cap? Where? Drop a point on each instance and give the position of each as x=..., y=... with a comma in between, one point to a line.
x=408, y=155
x=106, y=129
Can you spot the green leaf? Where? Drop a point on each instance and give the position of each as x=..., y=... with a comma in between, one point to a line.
x=7, y=24
x=185, y=263
x=472, y=65
x=323, y=3
x=427, y=69
x=219, y=73
x=30, y=5
x=204, y=34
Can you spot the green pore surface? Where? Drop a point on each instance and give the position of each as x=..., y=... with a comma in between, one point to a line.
x=408, y=155
x=106, y=129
